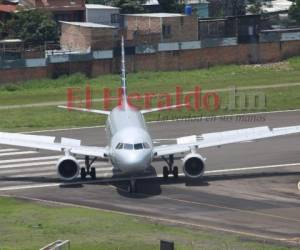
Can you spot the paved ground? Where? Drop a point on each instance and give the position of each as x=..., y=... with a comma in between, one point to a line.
x=260, y=202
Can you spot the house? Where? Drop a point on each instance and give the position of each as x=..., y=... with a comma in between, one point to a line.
x=62, y=10
x=85, y=37
x=160, y=27
x=102, y=14
x=217, y=28
x=11, y=49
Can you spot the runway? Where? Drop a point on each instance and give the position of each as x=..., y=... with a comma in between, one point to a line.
x=250, y=188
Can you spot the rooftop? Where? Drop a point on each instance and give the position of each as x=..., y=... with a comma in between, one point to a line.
x=157, y=15
x=11, y=41
x=277, y=5
x=151, y=2
x=89, y=25
x=8, y=8
x=61, y=5
x=100, y=7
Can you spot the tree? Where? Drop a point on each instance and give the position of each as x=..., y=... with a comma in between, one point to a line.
x=171, y=6
x=255, y=6
x=1, y=29
x=129, y=6
x=33, y=26
x=294, y=11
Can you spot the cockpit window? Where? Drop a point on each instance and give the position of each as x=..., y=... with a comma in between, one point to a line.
x=128, y=146
x=138, y=146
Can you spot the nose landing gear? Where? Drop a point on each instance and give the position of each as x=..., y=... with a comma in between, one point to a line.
x=132, y=187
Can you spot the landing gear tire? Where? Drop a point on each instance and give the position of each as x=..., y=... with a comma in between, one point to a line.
x=83, y=173
x=132, y=187
x=175, y=172
x=165, y=172
x=93, y=173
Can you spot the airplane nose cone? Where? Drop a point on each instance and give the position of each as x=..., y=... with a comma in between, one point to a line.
x=134, y=162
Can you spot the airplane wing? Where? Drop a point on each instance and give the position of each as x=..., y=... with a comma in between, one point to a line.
x=48, y=143
x=146, y=111
x=95, y=111
x=186, y=144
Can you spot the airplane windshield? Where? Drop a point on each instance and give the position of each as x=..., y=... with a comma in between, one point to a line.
x=138, y=146
x=128, y=146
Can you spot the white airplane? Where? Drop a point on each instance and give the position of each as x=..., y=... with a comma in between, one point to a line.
x=131, y=149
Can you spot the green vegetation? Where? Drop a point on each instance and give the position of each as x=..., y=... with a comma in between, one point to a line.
x=129, y=6
x=32, y=26
x=46, y=90
x=171, y=6
x=28, y=225
x=294, y=11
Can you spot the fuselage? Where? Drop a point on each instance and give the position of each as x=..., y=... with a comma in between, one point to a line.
x=129, y=141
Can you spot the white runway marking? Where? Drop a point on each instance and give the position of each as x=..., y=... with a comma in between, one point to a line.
x=18, y=153
x=8, y=150
x=39, y=166
x=42, y=174
x=30, y=159
x=47, y=171
x=52, y=173
x=25, y=170
x=252, y=168
x=29, y=164
x=107, y=175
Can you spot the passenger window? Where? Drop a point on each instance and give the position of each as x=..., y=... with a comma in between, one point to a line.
x=119, y=146
x=138, y=146
x=146, y=145
x=128, y=146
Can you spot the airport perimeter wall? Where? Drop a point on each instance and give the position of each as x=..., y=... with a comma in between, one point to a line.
x=176, y=56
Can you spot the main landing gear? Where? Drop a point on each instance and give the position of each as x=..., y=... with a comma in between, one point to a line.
x=170, y=169
x=88, y=170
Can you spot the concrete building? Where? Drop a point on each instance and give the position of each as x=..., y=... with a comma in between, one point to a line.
x=160, y=27
x=84, y=36
x=102, y=14
x=62, y=10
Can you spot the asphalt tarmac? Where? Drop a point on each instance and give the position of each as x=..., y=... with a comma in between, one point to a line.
x=249, y=188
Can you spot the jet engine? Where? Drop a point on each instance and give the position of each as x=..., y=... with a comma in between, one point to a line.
x=68, y=168
x=193, y=165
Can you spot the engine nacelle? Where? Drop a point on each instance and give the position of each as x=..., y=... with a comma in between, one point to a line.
x=193, y=165
x=68, y=168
